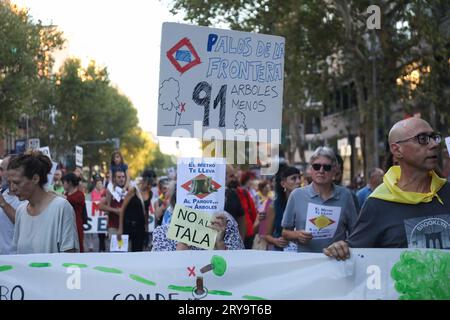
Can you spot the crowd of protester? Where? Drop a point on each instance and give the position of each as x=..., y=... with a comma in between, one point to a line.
x=260, y=212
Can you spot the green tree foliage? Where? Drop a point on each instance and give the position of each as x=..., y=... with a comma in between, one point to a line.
x=87, y=108
x=25, y=60
x=160, y=161
x=328, y=43
x=76, y=106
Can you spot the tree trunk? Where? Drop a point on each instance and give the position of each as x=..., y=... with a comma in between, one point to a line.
x=367, y=123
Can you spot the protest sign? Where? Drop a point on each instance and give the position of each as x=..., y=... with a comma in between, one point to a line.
x=119, y=245
x=192, y=227
x=34, y=143
x=45, y=151
x=78, y=156
x=201, y=183
x=223, y=79
x=97, y=220
x=322, y=221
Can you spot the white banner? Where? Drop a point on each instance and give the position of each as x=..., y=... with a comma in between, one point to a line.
x=97, y=220
x=222, y=79
x=243, y=275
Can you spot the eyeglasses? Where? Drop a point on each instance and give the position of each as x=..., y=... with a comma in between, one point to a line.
x=424, y=138
x=326, y=167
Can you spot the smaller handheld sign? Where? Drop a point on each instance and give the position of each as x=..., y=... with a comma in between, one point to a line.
x=192, y=227
x=34, y=143
x=119, y=245
x=201, y=183
x=78, y=156
x=322, y=221
x=45, y=151
x=52, y=173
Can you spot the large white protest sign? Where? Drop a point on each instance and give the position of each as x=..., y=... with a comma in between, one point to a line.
x=322, y=221
x=228, y=275
x=192, y=227
x=97, y=221
x=201, y=183
x=222, y=79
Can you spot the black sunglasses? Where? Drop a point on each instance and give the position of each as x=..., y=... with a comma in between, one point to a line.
x=424, y=138
x=326, y=167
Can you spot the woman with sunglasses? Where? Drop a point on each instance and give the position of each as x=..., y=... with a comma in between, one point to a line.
x=322, y=212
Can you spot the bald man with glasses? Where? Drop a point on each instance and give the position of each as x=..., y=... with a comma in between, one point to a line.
x=411, y=208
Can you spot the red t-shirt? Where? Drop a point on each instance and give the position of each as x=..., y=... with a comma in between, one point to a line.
x=249, y=208
x=113, y=219
x=76, y=199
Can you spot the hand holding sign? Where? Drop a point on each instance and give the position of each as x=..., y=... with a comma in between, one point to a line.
x=304, y=237
x=219, y=224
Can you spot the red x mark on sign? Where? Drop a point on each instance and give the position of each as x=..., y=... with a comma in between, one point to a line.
x=191, y=271
x=183, y=104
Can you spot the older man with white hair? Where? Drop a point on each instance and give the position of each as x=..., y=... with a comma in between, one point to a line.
x=322, y=212
x=411, y=208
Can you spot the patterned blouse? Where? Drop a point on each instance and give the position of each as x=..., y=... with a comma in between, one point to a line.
x=232, y=237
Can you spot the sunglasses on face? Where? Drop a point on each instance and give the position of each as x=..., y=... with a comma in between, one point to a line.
x=424, y=138
x=326, y=167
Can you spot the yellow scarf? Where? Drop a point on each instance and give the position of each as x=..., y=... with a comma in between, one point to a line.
x=389, y=190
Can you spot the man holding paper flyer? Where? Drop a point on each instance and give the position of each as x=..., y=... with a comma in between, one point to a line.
x=320, y=213
x=112, y=203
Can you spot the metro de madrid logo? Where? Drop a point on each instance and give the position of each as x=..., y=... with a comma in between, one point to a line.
x=183, y=56
x=322, y=222
x=201, y=186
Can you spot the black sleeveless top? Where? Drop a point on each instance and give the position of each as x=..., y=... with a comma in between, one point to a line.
x=147, y=204
x=134, y=211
